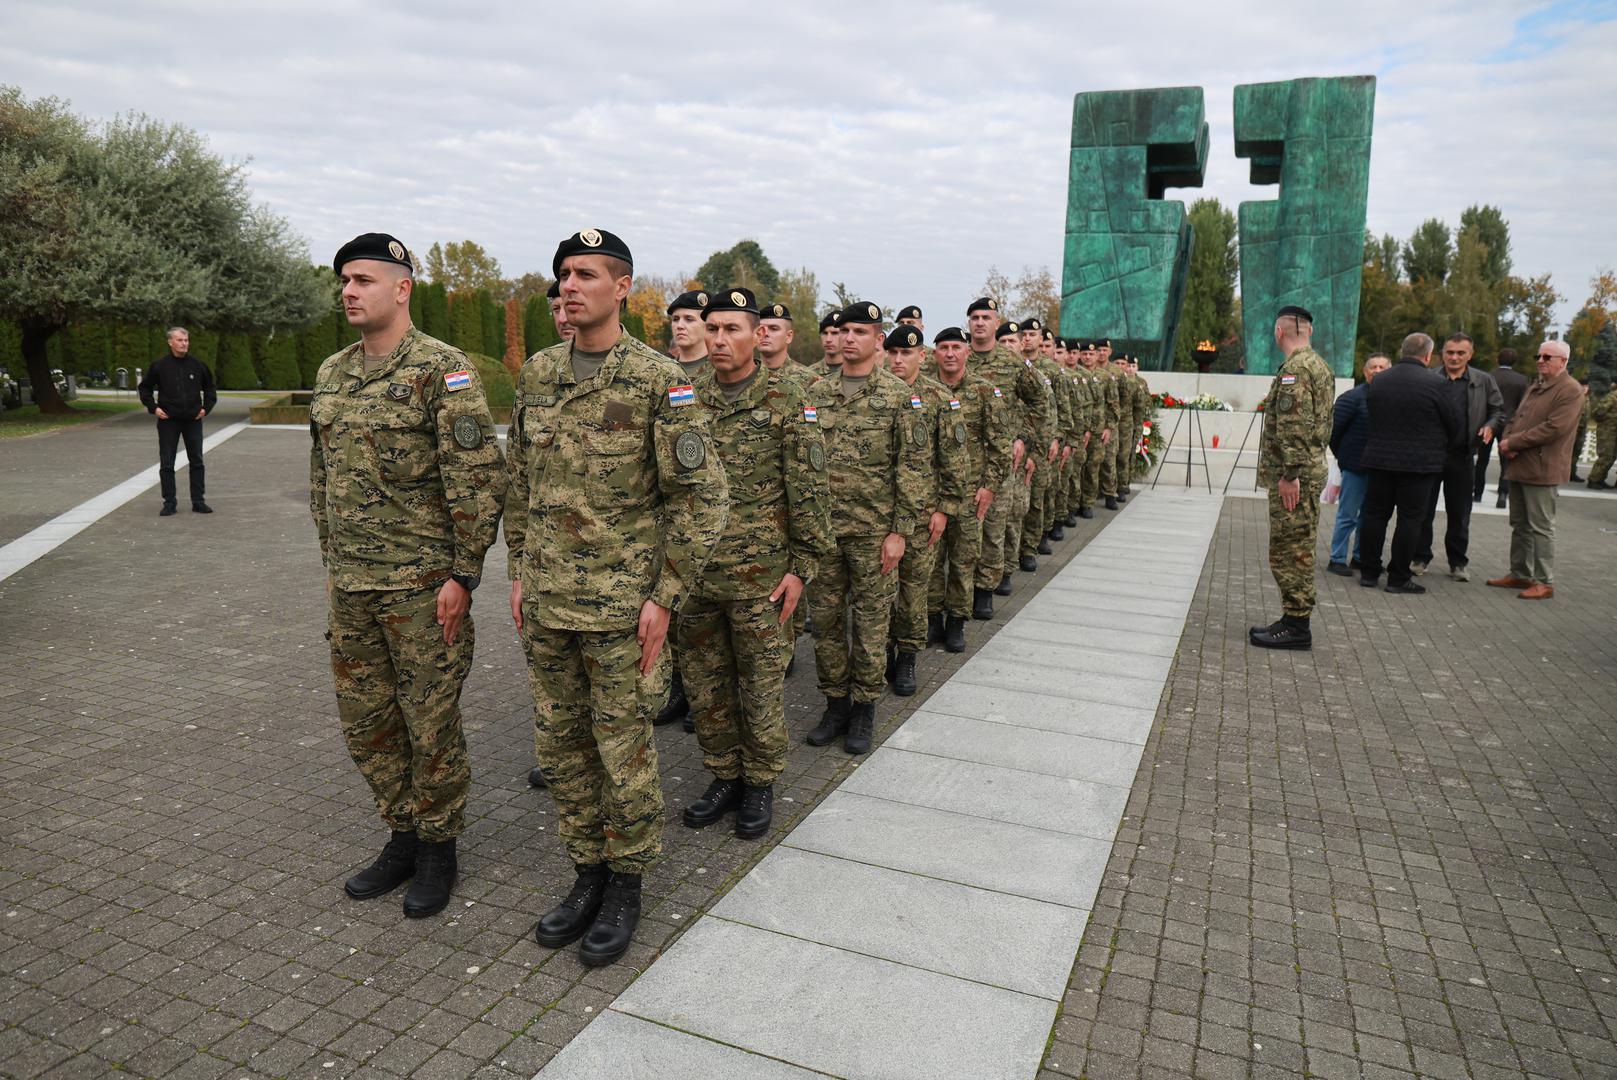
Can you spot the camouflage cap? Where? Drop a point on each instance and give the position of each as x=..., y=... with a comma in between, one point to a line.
x=590, y=242
x=903, y=337
x=373, y=245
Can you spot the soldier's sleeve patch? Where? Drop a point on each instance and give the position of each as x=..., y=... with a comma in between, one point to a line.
x=1287, y=380
x=1285, y=403
x=915, y=402
x=954, y=403
x=811, y=415
x=690, y=451
x=682, y=395
x=457, y=380
x=468, y=433
x=817, y=457
x=960, y=434
x=997, y=393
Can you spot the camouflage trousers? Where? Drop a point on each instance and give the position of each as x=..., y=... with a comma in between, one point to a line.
x=1033, y=523
x=1605, y=449
x=592, y=733
x=735, y=675
x=1073, y=495
x=1020, y=498
x=398, y=694
x=991, y=536
x=1123, y=466
x=908, y=627
x=850, y=579
x=1293, y=535
x=954, y=565
x=1100, y=477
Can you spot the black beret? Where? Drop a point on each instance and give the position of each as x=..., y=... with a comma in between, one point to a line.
x=696, y=299
x=1292, y=309
x=590, y=242
x=948, y=333
x=1120, y=358
x=554, y=292
x=373, y=245
x=903, y=337
x=731, y=300
x=1103, y=343
x=1006, y=330
x=829, y=320
x=861, y=311
x=909, y=311
x=1049, y=334
x=776, y=311
x=1032, y=324
x=984, y=303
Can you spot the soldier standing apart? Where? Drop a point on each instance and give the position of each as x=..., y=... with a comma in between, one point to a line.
x=876, y=485
x=737, y=629
x=977, y=405
x=1297, y=430
x=929, y=422
x=405, y=485
x=615, y=504
x=178, y=389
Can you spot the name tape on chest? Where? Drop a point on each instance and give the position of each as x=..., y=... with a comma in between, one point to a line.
x=457, y=380
x=681, y=395
x=811, y=415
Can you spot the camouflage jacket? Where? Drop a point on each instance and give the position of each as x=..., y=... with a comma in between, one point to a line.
x=1111, y=397
x=405, y=477
x=1060, y=401
x=1032, y=412
x=978, y=411
x=877, y=467
x=616, y=495
x=774, y=464
x=947, y=463
x=1297, y=420
x=798, y=375
x=1604, y=409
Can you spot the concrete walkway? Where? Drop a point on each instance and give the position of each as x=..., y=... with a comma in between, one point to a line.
x=922, y=922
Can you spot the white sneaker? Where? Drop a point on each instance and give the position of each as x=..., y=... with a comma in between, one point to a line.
x=1417, y=568
x=1461, y=573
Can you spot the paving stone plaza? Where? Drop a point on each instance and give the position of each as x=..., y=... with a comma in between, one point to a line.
x=1109, y=840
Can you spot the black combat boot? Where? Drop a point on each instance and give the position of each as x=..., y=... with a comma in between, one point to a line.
x=861, y=727
x=1111, y=502
x=391, y=869
x=954, y=630
x=833, y=722
x=904, y=675
x=1044, y=547
x=677, y=705
x=609, y=935
x=934, y=627
x=200, y=507
x=536, y=777
x=1072, y=519
x=1086, y=512
x=791, y=665
x=982, y=603
x=1028, y=563
x=721, y=797
x=757, y=811
x=1057, y=533
x=892, y=662
x=567, y=921
x=435, y=872
x=1122, y=497
x=1290, y=632
x=1004, y=586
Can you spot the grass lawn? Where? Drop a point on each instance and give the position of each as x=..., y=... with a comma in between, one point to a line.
x=15, y=423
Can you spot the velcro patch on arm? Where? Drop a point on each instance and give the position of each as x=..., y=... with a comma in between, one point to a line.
x=681, y=395
x=457, y=380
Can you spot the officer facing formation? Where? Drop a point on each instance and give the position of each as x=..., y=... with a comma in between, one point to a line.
x=406, y=486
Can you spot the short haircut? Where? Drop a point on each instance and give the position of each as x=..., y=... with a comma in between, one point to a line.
x=1459, y=335
x=1507, y=358
x=618, y=268
x=1556, y=346
x=177, y=330
x=1416, y=345
x=1378, y=356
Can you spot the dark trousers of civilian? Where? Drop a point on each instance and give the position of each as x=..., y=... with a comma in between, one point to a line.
x=1479, y=482
x=169, y=434
x=1454, y=487
x=1407, y=493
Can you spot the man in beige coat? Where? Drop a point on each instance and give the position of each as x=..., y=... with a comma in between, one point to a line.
x=1537, y=445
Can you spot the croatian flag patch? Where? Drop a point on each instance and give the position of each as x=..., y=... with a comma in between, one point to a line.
x=997, y=393
x=681, y=395
x=915, y=402
x=954, y=403
x=457, y=380
x=811, y=415
x=1287, y=380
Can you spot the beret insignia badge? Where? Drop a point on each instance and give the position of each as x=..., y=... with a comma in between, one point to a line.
x=590, y=237
x=395, y=249
x=871, y=310
x=738, y=300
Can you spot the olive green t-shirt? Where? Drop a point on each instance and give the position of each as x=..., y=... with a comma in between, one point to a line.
x=586, y=364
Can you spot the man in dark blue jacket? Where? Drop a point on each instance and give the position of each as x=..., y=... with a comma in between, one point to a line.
x=1350, y=429
x=1413, y=421
x=178, y=389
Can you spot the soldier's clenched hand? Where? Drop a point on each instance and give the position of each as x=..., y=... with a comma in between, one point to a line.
x=934, y=528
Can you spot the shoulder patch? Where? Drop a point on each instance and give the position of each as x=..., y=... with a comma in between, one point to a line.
x=997, y=393
x=681, y=395
x=954, y=403
x=915, y=402
x=457, y=380
x=1287, y=380
x=690, y=451
x=811, y=415
x=468, y=433
x=816, y=456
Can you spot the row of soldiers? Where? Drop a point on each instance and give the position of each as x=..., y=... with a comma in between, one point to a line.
x=699, y=502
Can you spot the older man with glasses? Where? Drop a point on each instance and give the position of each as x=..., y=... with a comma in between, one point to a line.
x=1537, y=446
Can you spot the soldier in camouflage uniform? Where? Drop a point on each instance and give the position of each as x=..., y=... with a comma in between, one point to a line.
x=615, y=504
x=1037, y=342
x=1291, y=462
x=405, y=485
x=877, y=482
x=978, y=406
x=1143, y=405
x=774, y=343
x=932, y=423
x=830, y=344
x=1083, y=400
x=1100, y=479
x=1604, y=414
x=736, y=630
x=1128, y=407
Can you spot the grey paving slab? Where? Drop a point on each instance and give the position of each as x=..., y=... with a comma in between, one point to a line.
x=626, y=1047
x=1082, y=807
x=1049, y=753
x=1078, y=610
x=1102, y=585
x=1078, y=600
x=1047, y=711
x=1075, y=657
x=1177, y=557
x=850, y=1015
x=1089, y=631
x=1058, y=868
x=1082, y=685
x=1172, y=578
x=988, y=937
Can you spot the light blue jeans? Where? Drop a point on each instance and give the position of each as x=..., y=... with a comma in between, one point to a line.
x=1348, y=505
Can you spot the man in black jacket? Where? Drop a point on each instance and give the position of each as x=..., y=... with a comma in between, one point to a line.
x=1413, y=420
x=1480, y=405
x=1350, y=422
x=178, y=389
x=1512, y=387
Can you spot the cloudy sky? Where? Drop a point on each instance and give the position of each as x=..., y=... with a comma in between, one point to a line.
x=902, y=148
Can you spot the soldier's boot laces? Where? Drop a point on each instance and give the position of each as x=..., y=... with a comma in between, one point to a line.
x=721, y=797
x=391, y=869
x=1289, y=633
x=904, y=675
x=435, y=873
x=566, y=922
x=609, y=935
x=677, y=705
x=982, y=604
x=757, y=811
x=861, y=727
x=954, y=631
x=833, y=722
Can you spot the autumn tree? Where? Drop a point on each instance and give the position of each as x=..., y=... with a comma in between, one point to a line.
x=463, y=267
x=1038, y=296
x=800, y=291
x=997, y=286
x=1527, y=308
x=1596, y=312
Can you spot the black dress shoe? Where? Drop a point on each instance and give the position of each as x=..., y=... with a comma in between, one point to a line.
x=1288, y=633
x=982, y=603
x=1057, y=532
x=934, y=627
x=1004, y=586
x=1500, y=503
x=1340, y=569
x=904, y=675
x=391, y=869
x=167, y=511
x=1368, y=582
x=609, y=935
x=1044, y=548
x=677, y=706
x=757, y=811
x=536, y=777
x=1085, y=512
x=721, y=797
x=1354, y=563
x=954, y=632
x=567, y=921
x=1411, y=587
x=1072, y=520
x=861, y=728
x=1027, y=563
x=1111, y=502
x=201, y=508
x=833, y=722
x=435, y=872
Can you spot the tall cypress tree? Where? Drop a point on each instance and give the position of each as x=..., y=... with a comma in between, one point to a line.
x=235, y=370
x=491, y=318
x=466, y=323
x=278, y=357
x=538, y=328
x=435, y=311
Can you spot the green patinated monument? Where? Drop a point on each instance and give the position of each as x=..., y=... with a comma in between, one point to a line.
x=1312, y=137
x=1127, y=249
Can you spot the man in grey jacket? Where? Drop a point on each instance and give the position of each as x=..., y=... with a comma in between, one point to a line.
x=1478, y=401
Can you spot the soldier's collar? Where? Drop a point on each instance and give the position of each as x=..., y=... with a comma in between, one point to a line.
x=604, y=374
x=354, y=362
x=710, y=390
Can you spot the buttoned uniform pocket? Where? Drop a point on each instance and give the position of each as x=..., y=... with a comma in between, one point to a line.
x=404, y=446
x=871, y=439
x=751, y=453
x=617, y=466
